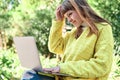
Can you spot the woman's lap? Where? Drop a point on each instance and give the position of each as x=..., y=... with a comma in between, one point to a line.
x=32, y=75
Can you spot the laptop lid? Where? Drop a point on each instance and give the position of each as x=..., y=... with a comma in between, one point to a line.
x=27, y=52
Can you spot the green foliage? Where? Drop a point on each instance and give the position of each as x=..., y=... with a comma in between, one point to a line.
x=39, y=27
x=110, y=10
x=33, y=18
x=29, y=18
x=3, y=23
x=6, y=5
x=5, y=20
x=8, y=64
x=4, y=65
x=117, y=47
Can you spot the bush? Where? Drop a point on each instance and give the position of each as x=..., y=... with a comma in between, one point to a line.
x=9, y=65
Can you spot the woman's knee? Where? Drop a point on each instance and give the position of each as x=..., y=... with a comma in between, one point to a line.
x=30, y=75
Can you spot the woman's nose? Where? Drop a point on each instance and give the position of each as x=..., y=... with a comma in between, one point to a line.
x=70, y=19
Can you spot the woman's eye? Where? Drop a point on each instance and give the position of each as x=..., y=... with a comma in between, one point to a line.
x=69, y=14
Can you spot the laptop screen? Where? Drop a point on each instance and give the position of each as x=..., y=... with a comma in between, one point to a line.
x=27, y=52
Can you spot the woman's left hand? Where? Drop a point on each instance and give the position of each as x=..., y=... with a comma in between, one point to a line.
x=53, y=70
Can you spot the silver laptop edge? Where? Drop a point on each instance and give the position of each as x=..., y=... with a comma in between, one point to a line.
x=28, y=54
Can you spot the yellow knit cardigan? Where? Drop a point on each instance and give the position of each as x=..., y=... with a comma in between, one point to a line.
x=85, y=58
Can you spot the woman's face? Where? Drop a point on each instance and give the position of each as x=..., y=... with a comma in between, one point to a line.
x=73, y=17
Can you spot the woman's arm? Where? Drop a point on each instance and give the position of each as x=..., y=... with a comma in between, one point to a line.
x=57, y=42
x=99, y=65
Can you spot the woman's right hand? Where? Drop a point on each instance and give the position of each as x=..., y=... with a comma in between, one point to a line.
x=59, y=16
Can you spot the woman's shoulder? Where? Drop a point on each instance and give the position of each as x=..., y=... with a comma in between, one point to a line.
x=102, y=25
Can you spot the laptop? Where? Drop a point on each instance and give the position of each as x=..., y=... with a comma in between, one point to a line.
x=28, y=54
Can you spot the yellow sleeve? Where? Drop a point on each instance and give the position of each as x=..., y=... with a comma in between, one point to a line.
x=101, y=62
x=56, y=43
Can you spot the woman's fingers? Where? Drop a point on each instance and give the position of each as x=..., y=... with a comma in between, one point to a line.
x=59, y=16
x=47, y=69
x=54, y=69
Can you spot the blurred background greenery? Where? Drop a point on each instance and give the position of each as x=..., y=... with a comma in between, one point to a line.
x=33, y=18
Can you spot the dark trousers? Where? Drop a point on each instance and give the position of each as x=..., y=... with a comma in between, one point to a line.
x=32, y=75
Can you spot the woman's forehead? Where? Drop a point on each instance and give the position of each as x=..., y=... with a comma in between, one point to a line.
x=69, y=11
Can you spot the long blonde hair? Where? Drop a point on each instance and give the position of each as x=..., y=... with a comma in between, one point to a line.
x=85, y=12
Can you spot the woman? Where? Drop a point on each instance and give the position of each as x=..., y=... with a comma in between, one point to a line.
x=87, y=49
